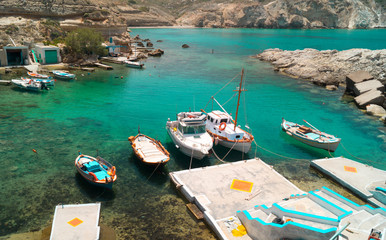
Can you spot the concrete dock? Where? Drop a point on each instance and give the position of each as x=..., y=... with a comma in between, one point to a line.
x=222, y=190
x=365, y=181
x=78, y=221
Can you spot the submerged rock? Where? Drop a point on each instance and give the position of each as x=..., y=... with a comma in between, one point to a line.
x=156, y=53
x=185, y=46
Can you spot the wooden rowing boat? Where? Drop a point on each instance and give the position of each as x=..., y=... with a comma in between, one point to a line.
x=149, y=150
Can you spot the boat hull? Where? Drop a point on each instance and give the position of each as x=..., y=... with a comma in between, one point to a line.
x=238, y=146
x=195, y=153
x=331, y=147
x=89, y=179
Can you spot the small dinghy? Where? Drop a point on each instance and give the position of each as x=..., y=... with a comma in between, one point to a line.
x=63, y=75
x=37, y=75
x=29, y=85
x=311, y=136
x=134, y=64
x=149, y=150
x=96, y=171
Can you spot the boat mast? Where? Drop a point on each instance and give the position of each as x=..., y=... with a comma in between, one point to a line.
x=238, y=100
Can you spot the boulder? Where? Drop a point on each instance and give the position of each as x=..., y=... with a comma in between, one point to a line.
x=185, y=46
x=356, y=77
x=370, y=97
x=331, y=87
x=156, y=53
x=140, y=44
x=360, y=88
x=149, y=44
x=375, y=110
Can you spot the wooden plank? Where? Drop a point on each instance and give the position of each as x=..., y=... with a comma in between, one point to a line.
x=196, y=212
x=5, y=82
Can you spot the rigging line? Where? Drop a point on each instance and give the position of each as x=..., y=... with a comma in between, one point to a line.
x=222, y=160
x=277, y=153
x=221, y=90
x=230, y=99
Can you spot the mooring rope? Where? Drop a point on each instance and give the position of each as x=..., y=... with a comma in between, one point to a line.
x=222, y=160
x=257, y=145
x=153, y=171
x=367, y=160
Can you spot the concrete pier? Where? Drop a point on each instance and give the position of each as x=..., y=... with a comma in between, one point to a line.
x=361, y=179
x=222, y=190
x=78, y=221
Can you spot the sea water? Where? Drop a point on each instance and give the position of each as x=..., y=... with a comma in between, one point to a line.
x=96, y=113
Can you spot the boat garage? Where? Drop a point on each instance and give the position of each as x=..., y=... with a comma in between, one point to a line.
x=13, y=56
x=47, y=54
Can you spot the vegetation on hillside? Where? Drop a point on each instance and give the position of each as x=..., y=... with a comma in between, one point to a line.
x=85, y=41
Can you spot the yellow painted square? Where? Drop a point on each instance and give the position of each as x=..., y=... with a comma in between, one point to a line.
x=75, y=222
x=241, y=185
x=350, y=169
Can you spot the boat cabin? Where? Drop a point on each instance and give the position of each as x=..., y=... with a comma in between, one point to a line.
x=215, y=125
x=191, y=122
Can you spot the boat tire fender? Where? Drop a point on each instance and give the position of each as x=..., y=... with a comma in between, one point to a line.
x=223, y=125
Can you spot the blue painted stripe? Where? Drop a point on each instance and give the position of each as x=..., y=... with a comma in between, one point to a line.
x=381, y=189
x=340, y=196
x=332, y=204
x=355, y=204
x=305, y=214
x=323, y=231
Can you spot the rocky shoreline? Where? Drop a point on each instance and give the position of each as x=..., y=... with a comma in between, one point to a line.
x=361, y=71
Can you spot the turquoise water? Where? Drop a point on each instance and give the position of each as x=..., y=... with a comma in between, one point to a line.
x=100, y=110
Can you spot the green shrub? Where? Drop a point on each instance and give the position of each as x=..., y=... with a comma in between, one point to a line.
x=50, y=22
x=85, y=41
x=11, y=29
x=131, y=2
x=144, y=9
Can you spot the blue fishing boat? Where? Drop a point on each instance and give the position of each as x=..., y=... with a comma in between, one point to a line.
x=96, y=171
x=63, y=75
x=311, y=136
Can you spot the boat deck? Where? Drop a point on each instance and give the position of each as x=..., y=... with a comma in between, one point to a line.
x=78, y=221
x=361, y=179
x=219, y=191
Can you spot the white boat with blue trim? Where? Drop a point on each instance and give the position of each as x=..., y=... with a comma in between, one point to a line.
x=311, y=136
x=29, y=85
x=63, y=75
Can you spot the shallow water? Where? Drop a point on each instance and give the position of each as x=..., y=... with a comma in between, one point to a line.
x=100, y=110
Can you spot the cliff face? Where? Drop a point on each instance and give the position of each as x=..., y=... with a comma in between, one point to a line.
x=289, y=14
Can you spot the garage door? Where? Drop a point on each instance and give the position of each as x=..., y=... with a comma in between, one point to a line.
x=51, y=56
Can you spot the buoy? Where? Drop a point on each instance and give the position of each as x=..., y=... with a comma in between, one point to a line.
x=33, y=150
x=121, y=77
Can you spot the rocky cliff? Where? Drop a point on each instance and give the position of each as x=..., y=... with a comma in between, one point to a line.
x=289, y=14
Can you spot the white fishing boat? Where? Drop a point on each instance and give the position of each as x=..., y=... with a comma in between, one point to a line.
x=311, y=136
x=47, y=82
x=63, y=75
x=189, y=135
x=29, y=85
x=133, y=64
x=221, y=126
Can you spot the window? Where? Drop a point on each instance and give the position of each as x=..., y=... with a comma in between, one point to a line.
x=237, y=136
x=224, y=120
